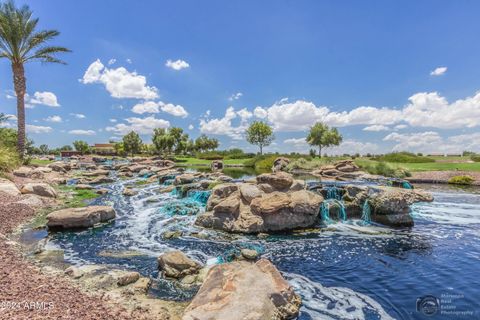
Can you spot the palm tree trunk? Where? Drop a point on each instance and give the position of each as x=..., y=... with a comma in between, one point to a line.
x=319, y=151
x=261, y=150
x=19, y=83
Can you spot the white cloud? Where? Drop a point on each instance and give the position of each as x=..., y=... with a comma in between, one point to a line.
x=414, y=141
x=191, y=127
x=53, y=119
x=297, y=142
x=113, y=120
x=177, y=65
x=37, y=129
x=129, y=61
x=439, y=71
x=111, y=61
x=139, y=125
x=82, y=132
x=376, y=127
x=175, y=110
x=146, y=107
x=155, y=107
x=260, y=112
x=400, y=126
x=45, y=98
x=119, y=82
x=235, y=96
x=78, y=115
x=244, y=114
x=224, y=126
x=351, y=146
x=296, y=116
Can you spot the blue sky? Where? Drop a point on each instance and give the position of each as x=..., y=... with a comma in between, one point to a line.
x=390, y=75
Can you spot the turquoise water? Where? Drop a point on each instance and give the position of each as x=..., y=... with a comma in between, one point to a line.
x=347, y=270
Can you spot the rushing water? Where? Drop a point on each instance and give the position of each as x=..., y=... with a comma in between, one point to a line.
x=344, y=270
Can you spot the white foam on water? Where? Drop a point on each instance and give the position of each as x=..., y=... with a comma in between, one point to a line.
x=357, y=228
x=334, y=302
x=448, y=213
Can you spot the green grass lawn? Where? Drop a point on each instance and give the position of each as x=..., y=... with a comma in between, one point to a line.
x=39, y=162
x=189, y=161
x=428, y=166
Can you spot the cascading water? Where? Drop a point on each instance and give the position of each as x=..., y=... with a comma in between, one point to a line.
x=334, y=193
x=406, y=185
x=199, y=195
x=327, y=205
x=366, y=213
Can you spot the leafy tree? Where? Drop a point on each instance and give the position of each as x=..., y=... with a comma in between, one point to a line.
x=3, y=117
x=81, y=146
x=132, y=143
x=66, y=147
x=163, y=141
x=261, y=134
x=119, y=149
x=20, y=42
x=204, y=143
x=321, y=135
x=43, y=149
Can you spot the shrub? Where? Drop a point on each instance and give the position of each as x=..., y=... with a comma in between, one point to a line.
x=266, y=163
x=9, y=159
x=209, y=156
x=464, y=180
x=383, y=169
x=404, y=157
x=475, y=158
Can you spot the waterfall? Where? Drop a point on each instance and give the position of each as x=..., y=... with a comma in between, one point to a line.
x=407, y=185
x=199, y=195
x=366, y=211
x=325, y=210
x=334, y=193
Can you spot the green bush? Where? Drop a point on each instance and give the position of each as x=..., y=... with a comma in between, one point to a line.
x=403, y=157
x=475, y=158
x=464, y=180
x=266, y=163
x=209, y=156
x=9, y=159
x=383, y=169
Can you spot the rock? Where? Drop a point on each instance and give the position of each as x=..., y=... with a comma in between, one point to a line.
x=172, y=234
x=121, y=254
x=270, y=203
x=23, y=172
x=129, y=192
x=127, y=278
x=74, y=272
x=31, y=200
x=176, y=264
x=136, y=168
x=101, y=191
x=249, y=254
x=228, y=205
x=250, y=192
x=220, y=192
x=297, y=185
x=96, y=173
x=229, y=288
x=83, y=187
x=41, y=189
x=58, y=167
x=279, y=180
x=80, y=217
x=216, y=165
x=9, y=187
x=102, y=179
x=184, y=178
x=280, y=164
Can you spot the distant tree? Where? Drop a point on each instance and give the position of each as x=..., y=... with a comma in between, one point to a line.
x=20, y=42
x=119, y=149
x=81, y=146
x=3, y=117
x=261, y=134
x=323, y=136
x=43, y=149
x=66, y=147
x=204, y=143
x=132, y=143
x=163, y=141
x=313, y=153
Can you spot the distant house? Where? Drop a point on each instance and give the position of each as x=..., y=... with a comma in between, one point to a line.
x=107, y=149
x=68, y=154
x=439, y=154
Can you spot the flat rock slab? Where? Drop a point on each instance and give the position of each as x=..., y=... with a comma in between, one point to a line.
x=244, y=291
x=9, y=187
x=40, y=189
x=79, y=217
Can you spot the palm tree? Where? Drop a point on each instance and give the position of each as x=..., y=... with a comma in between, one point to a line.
x=20, y=42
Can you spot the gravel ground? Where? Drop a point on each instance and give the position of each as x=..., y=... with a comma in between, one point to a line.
x=27, y=293
x=442, y=176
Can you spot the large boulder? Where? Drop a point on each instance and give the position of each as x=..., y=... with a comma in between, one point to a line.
x=79, y=217
x=242, y=290
x=40, y=189
x=176, y=264
x=23, y=172
x=278, y=180
x=250, y=191
x=184, y=178
x=220, y=192
x=280, y=164
x=9, y=187
x=59, y=166
x=216, y=165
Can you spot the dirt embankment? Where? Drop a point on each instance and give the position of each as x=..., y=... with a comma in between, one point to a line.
x=442, y=176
